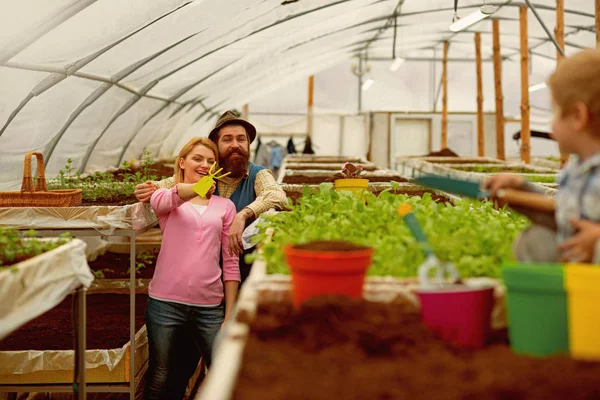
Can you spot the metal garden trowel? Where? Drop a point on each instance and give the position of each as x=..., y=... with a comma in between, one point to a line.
x=203, y=185
x=511, y=197
x=431, y=261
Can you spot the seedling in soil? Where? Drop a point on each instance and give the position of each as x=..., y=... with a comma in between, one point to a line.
x=104, y=186
x=14, y=248
x=350, y=171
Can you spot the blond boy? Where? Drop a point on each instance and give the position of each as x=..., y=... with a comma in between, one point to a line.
x=573, y=235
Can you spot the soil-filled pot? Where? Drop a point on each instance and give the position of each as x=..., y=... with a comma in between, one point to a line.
x=458, y=314
x=327, y=267
x=351, y=185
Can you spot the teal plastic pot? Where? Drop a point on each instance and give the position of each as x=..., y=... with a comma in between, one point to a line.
x=537, y=308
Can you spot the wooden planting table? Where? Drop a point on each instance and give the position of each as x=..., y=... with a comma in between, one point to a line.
x=124, y=221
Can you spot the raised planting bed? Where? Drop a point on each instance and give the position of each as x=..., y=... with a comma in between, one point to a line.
x=471, y=234
x=324, y=159
x=355, y=349
x=316, y=177
x=541, y=178
x=36, y=275
x=112, y=265
x=41, y=350
x=452, y=160
x=113, y=187
x=323, y=166
x=295, y=191
x=138, y=216
x=516, y=169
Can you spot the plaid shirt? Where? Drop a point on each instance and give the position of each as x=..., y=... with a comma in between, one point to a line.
x=578, y=197
x=268, y=193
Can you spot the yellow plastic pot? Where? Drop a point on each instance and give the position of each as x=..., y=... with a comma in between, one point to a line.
x=582, y=282
x=351, y=185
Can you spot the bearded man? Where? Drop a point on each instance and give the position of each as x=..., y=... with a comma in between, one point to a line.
x=252, y=188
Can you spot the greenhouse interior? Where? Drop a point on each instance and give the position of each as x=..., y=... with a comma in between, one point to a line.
x=300, y=199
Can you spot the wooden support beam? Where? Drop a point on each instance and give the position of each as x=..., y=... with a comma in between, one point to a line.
x=500, y=151
x=480, y=128
x=559, y=33
x=598, y=24
x=245, y=112
x=525, y=125
x=309, y=112
x=445, y=97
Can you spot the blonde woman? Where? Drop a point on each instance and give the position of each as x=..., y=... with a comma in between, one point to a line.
x=189, y=286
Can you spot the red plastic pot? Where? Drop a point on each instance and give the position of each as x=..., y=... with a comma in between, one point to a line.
x=325, y=268
x=458, y=314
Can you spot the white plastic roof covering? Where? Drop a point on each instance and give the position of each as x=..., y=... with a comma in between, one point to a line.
x=100, y=81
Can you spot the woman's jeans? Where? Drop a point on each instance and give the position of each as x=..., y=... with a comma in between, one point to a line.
x=167, y=324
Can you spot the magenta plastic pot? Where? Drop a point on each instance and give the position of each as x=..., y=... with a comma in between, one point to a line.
x=458, y=314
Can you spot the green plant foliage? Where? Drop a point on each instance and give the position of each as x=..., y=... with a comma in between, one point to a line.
x=103, y=186
x=472, y=234
x=541, y=178
x=15, y=248
x=487, y=169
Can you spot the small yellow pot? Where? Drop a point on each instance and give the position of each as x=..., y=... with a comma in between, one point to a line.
x=351, y=185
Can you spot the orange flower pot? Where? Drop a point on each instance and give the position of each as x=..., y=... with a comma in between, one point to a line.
x=327, y=267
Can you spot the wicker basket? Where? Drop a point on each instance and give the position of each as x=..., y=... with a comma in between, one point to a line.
x=40, y=196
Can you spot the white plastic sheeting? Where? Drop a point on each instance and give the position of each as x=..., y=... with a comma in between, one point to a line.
x=100, y=81
x=40, y=283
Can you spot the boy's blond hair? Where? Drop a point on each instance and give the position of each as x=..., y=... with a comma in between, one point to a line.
x=577, y=79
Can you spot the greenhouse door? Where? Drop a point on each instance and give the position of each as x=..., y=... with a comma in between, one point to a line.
x=412, y=137
x=460, y=137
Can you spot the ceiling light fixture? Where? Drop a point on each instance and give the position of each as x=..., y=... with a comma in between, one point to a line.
x=397, y=64
x=458, y=24
x=367, y=84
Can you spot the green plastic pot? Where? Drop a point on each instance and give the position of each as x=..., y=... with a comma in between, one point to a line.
x=537, y=308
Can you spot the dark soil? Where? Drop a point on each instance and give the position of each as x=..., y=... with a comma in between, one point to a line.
x=494, y=169
x=107, y=325
x=330, y=245
x=325, y=167
x=159, y=170
x=443, y=153
x=121, y=200
x=294, y=196
x=312, y=180
x=337, y=348
x=464, y=161
x=116, y=265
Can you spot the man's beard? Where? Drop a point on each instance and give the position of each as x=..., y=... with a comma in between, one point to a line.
x=238, y=166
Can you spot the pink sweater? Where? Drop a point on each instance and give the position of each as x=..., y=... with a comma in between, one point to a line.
x=187, y=269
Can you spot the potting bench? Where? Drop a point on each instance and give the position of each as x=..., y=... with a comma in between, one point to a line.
x=102, y=221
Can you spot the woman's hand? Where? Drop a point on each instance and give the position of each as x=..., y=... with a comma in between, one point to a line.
x=144, y=191
x=503, y=181
x=211, y=191
x=580, y=248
